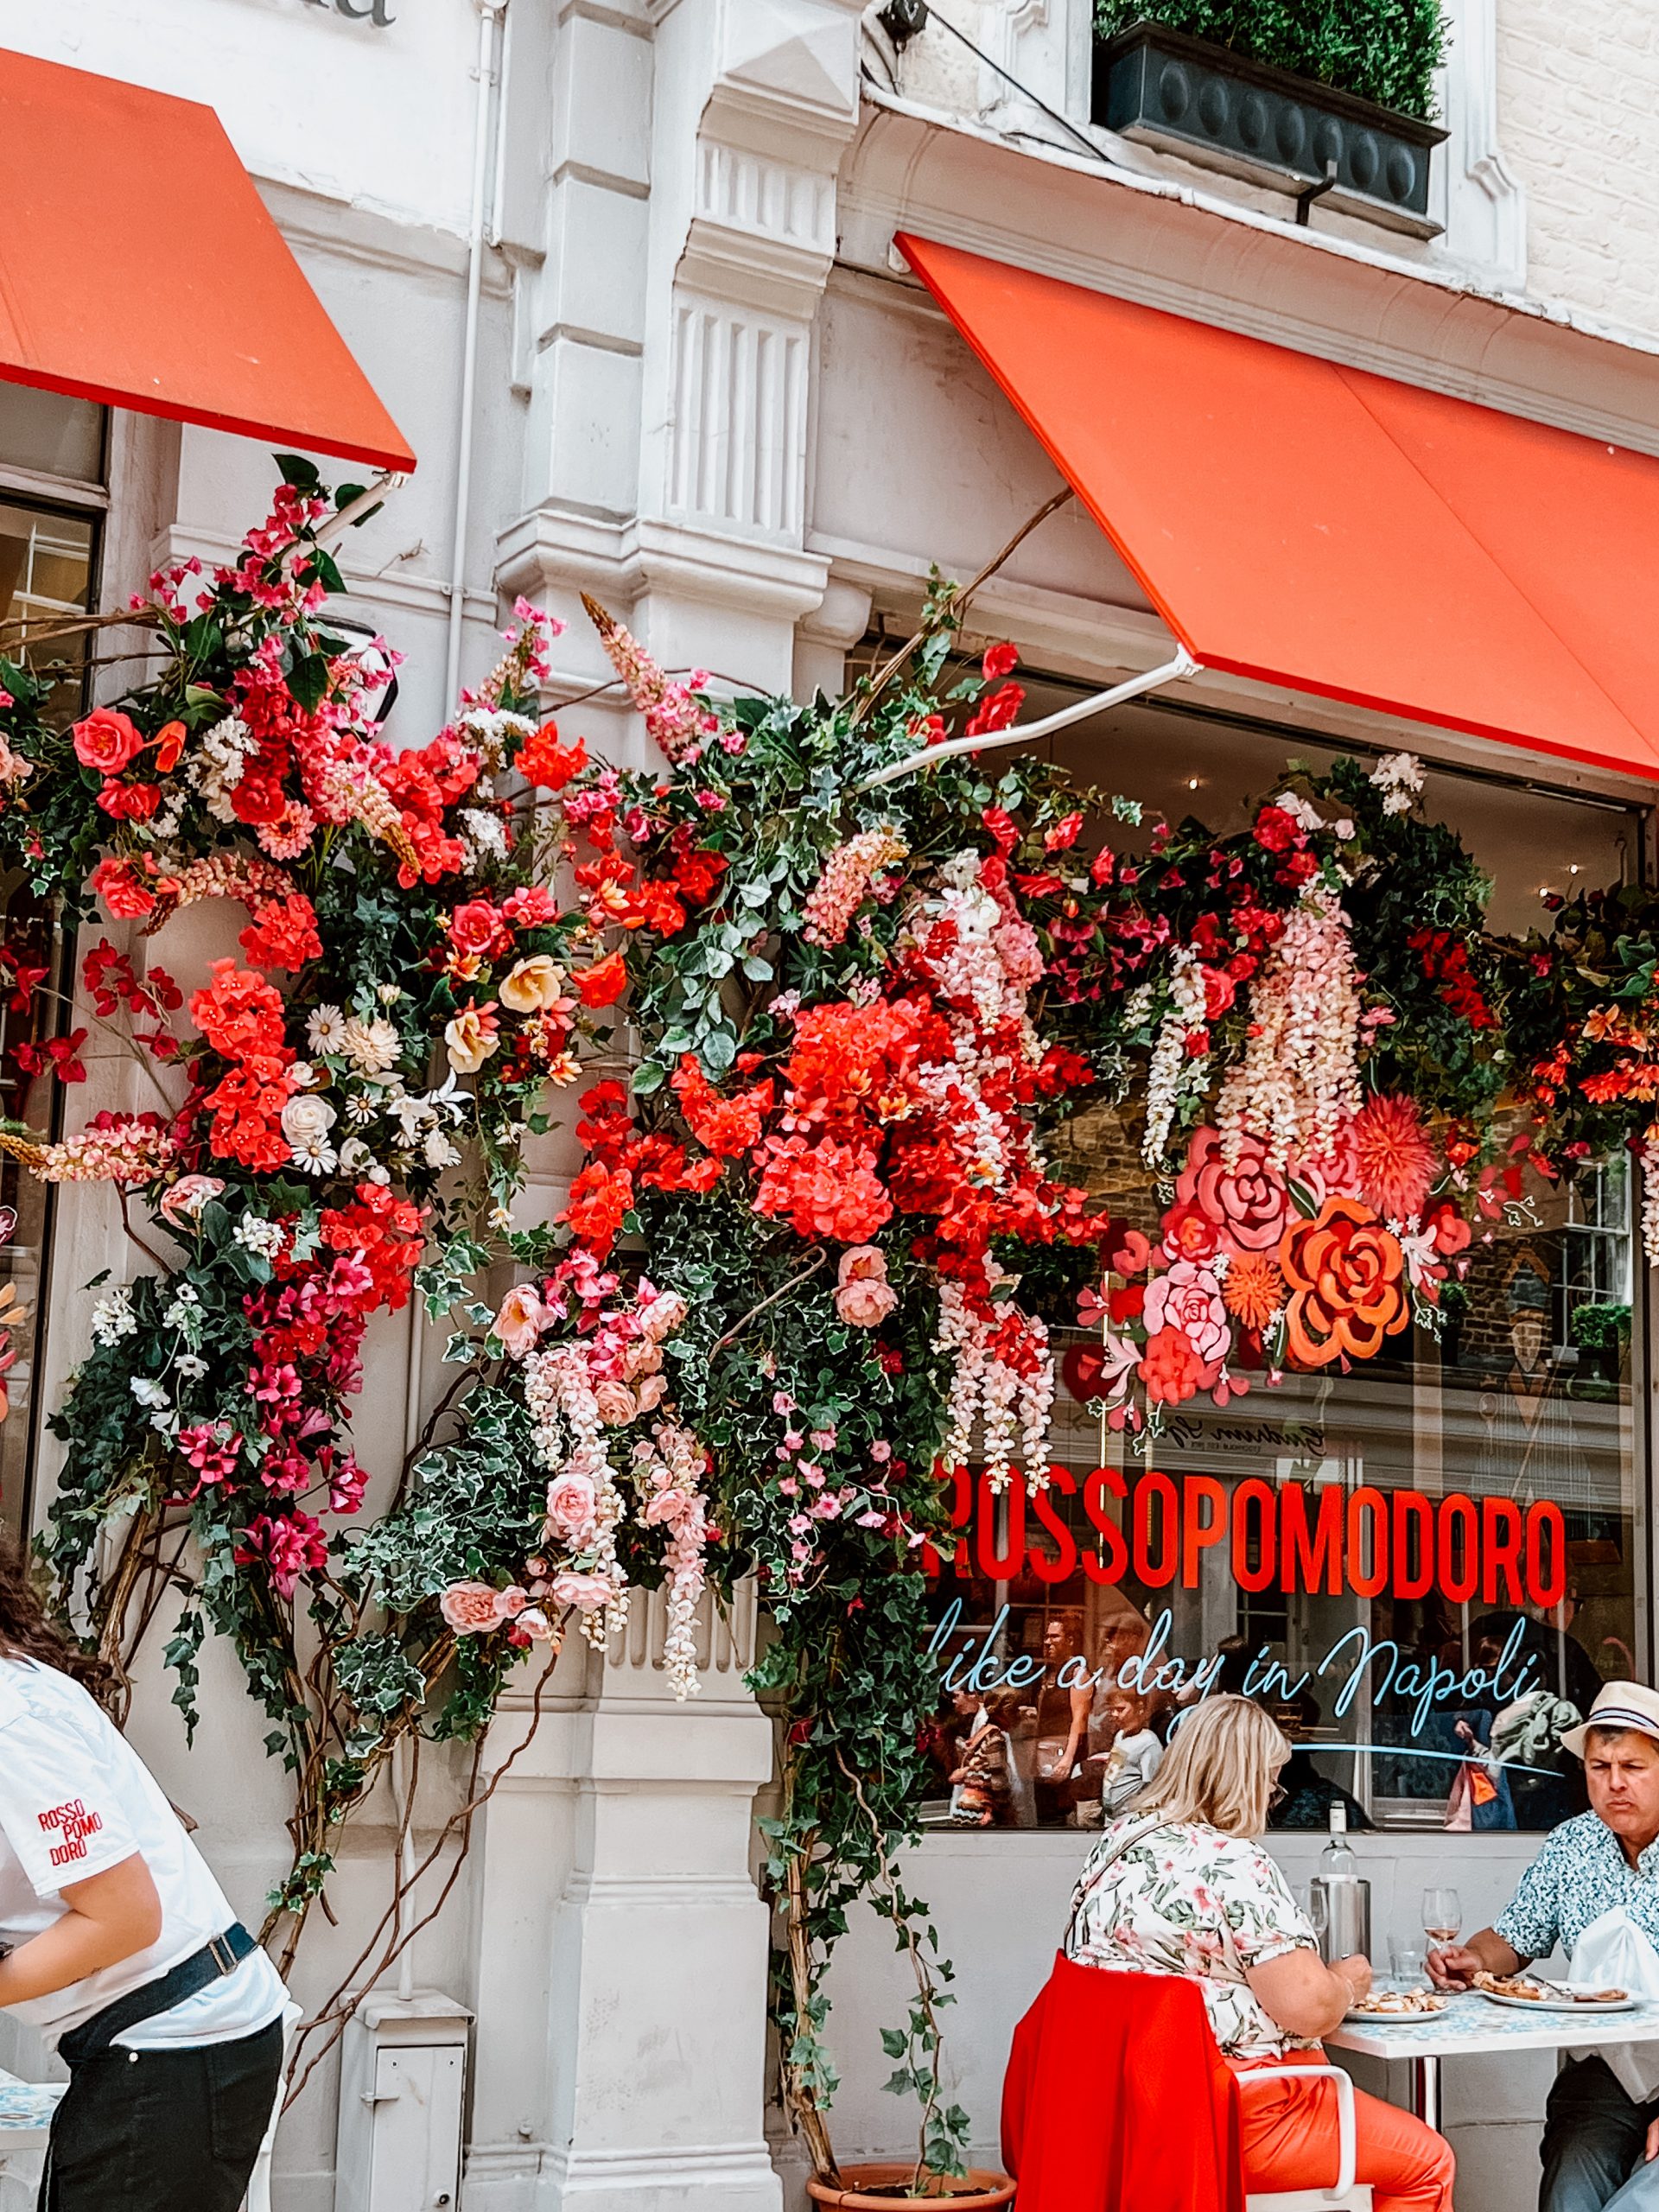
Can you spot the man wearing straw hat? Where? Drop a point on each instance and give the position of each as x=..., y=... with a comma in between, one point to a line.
x=1593, y=1890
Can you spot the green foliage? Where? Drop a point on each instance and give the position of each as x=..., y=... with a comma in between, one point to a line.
x=1383, y=50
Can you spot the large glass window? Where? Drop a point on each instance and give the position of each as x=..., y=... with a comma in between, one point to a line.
x=1424, y=1566
x=49, y=569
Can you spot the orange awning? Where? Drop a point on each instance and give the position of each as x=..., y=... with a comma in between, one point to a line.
x=1335, y=532
x=139, y=267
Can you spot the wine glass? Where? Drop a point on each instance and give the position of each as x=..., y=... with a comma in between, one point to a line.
x=1316, y=1906
x=1442, y=1917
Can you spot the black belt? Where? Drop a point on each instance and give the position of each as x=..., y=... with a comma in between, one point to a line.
x=199, y=1972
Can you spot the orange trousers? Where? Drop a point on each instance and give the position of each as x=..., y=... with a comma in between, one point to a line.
x=1290, y=2142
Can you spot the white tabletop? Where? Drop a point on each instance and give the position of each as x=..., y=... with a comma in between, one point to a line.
x=1471, y=2025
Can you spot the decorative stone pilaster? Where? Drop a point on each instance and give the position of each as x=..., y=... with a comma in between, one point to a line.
x=622, y=1944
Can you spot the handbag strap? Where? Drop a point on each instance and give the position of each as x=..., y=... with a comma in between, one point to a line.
x=1136, y=1832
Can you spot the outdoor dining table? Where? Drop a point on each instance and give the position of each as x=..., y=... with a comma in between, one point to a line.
x=1472, y=2026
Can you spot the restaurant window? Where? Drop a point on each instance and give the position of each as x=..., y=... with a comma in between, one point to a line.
x=1079, y=1625
x=51, y=515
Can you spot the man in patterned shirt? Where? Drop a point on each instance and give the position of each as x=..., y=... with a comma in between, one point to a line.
x=1601, y=2146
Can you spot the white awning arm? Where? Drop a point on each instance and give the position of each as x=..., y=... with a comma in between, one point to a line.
x=1134, y=687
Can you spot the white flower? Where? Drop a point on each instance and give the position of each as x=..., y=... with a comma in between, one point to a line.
x=1305, y=816
x=113, y=1317
x=191, y=1365
x=411, y=1115
x=302, y=1075
x=486, y=833
x=324, y=1031
x=372, y=1046
x=314, y=1155
x=147, y=1393
x=306, y=1120
x=1399, y=778
x=389, y=993
x=438, y=1150
x=449, y=1098
x=354, y=1156
x=255, y=1234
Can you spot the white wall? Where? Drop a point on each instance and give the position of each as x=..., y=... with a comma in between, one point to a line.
x=381, y=118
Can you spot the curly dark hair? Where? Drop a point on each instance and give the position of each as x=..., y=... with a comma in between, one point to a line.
x=28, y=1631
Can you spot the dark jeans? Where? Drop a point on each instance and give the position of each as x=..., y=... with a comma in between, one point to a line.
x=1594, y=2141
x=163, y=2131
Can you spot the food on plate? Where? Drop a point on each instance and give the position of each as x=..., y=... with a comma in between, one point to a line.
x=1396, y=2003
x=1599, y=1996
x=1511, y=1985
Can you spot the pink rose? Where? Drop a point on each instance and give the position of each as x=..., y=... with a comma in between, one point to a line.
x=534, y=1623
x=184, y=1201
x=474, y=1608
x=1188, y=1298
x=572, y=1502
x=671, y=1505
x=1249, y=1202
x=587, y=1593
x=653, y=1388
x=616, y=1403
x=664, y=1315
x=521, y=1320
x=864, y=1297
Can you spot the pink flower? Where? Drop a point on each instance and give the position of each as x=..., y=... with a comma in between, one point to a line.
x=572, y=1502
x=1188, y=1298
x=587, y=1593
x=185, y=1199
x=616, y=1403
x=864, y=1297
x=651, y=1392
x=1249, y=1203
x=663, y=1316
x=106, y=740
x=475, y=1608
x=521, y=1319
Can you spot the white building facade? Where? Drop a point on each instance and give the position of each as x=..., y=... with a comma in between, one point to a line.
x=623, y=271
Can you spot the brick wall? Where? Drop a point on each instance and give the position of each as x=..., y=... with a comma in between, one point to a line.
x=1579, y=123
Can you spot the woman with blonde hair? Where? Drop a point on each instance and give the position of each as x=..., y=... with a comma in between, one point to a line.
x=1180, y=1885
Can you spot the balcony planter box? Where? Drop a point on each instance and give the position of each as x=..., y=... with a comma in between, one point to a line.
x=1225, y=111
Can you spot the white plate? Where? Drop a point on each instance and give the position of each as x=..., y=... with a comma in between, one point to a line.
x=1394, y=2018
x=1552, y=2004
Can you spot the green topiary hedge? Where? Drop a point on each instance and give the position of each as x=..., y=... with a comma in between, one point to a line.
x=1384, y=50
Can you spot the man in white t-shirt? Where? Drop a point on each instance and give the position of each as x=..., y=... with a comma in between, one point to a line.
x=125, y=1954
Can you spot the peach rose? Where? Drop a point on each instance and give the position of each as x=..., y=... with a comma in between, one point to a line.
x=187, y=1198
x=475, y=1608
x=864, y=1297
x=521, y=1319
x=616, y=1403
x=534, y=985
x=471, y=1038
x=653, y=1389
x=572, y=1502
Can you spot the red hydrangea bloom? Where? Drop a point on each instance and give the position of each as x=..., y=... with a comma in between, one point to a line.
x=825, y=1189
x=282, y=933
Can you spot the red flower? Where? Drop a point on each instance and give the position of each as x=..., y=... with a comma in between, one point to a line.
x=826, y=1189
x=256, y=800
x=1190, y=1233
x=996, y=711
x=1000, y=661
x=1063, y=834
x=543, y=761
x=604, y=982
x=118, y=885
x=282, y=933
x=1171, y=1370
x=1395, y=1159
x=1275, y=830
x=727, y=1127
x=477, y=932
x=106, y=740
x=169, y=744
x=599, y=1197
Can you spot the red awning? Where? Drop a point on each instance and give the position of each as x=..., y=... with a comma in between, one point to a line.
x=1336, y=532
x=139, y=267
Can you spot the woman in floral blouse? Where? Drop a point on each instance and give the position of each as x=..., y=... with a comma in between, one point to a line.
x=1180, y=1885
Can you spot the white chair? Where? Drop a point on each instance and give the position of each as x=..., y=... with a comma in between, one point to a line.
x=1345, y=2194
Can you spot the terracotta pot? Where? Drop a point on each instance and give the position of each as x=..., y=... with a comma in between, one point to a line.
x=978, y=2190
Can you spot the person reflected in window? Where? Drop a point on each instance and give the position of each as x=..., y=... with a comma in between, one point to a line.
x=1136, y=1751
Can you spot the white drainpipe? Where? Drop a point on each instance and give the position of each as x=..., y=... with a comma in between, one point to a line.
x=490, y=12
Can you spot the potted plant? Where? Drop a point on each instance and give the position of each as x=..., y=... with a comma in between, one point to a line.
x=1282, y=98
